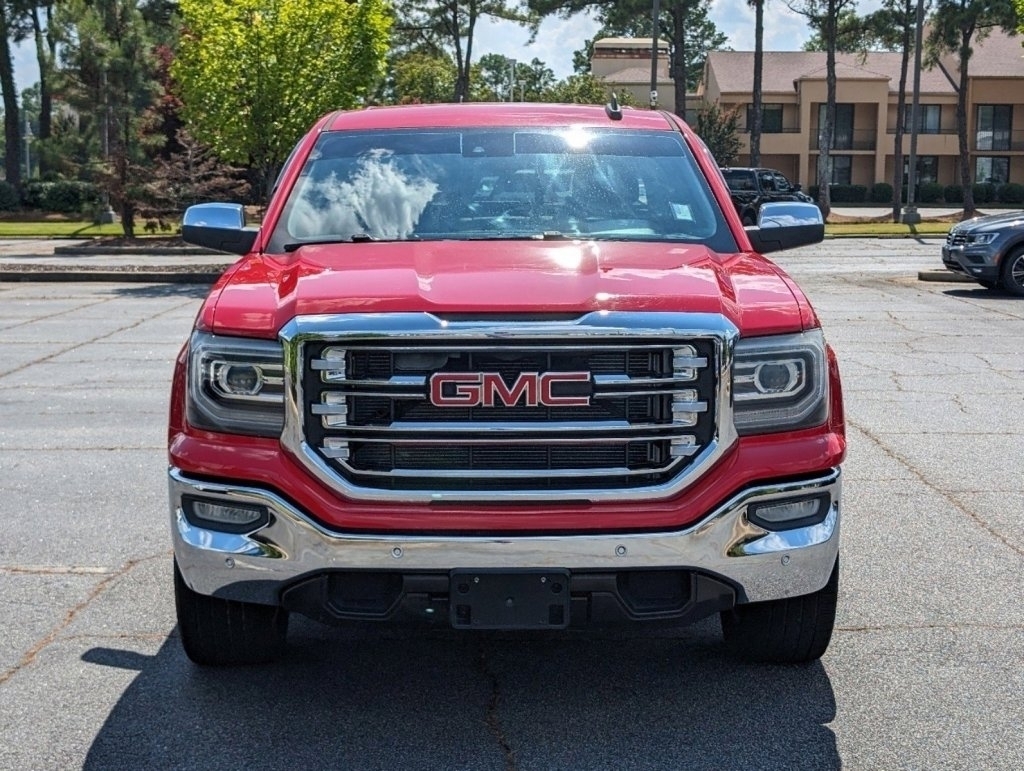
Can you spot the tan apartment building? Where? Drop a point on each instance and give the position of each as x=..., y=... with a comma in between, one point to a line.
x=867, y=90
x=624, y=63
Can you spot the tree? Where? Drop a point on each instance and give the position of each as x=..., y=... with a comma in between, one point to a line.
x=418, y=77
x=496, y=75
x=255, y=74
x=34, y=19
x=580, y=89
x=757, y=111
x=718, y=128
x=823, y=16
x=189, y=176
x=450, y=25
x=109, y=76
x=12, y=112
x=955, y=25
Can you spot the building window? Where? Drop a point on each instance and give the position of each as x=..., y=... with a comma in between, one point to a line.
x=994, y=125
x=840, y=167
x=842, y=132
x=994, y=170
x=927, y=169
x=929, y=118
x=771, y=118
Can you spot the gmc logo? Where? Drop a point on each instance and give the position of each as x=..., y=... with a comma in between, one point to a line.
x=489, y=389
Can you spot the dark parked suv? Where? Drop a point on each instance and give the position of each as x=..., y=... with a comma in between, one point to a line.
x=752, y=187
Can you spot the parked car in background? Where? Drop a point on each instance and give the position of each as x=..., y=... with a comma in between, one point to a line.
x=752, y=188
x=990, y=250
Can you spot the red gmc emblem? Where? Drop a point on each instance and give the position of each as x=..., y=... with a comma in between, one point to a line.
x=489, y=389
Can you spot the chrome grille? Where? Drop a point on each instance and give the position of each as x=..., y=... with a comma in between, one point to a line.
x=363, y=417
x=956, y=239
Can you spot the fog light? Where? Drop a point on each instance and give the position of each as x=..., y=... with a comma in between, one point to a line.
x=786, y=514
x=228, y=517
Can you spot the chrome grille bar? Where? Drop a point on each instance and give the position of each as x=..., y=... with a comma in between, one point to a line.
x=374, y=433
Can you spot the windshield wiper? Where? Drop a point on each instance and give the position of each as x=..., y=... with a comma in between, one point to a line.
x=355, y=238
x=547, y=235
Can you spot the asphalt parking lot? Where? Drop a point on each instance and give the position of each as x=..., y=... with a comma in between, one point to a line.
x=924, y=671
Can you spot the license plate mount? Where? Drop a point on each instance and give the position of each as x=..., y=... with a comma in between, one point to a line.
x=501, y=599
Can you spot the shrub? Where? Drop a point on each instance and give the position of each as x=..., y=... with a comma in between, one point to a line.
x=929, y=192
x=848, y=193
x=984, y=192
x=951, y=193
x=881, y=192
x=62, y=197
x=812, y=191
x=8, y=196
x=1011, y=192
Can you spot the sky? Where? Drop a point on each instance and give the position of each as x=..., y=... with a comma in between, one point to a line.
x=558, y=38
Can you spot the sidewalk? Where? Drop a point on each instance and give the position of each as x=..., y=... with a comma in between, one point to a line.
x=41, y=259
x=52, y=260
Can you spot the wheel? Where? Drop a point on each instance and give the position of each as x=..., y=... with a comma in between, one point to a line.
x=989, y=284
x=1012, y=274
x=748, y=220
x=217, y=632
x=795, y=630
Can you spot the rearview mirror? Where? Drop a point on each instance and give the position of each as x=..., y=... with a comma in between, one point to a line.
x=786, y=225
x=219, y=226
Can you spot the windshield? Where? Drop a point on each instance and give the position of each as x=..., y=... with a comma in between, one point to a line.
x=482, y=184
x=740, y=180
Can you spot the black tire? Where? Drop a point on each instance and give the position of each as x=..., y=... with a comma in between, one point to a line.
x=796, y=630
x=749, y=220
x=216, y=632
x=989, y=284
x=1012, y=273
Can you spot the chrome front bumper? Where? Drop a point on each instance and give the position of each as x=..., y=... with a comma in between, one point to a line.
x=254, y=567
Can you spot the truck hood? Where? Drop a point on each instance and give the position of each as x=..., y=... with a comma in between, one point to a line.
x=262, y=293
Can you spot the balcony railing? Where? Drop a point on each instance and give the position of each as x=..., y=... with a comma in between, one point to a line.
x=845, y=139
x=998, y=141
x=767, y=132
x=925, y=132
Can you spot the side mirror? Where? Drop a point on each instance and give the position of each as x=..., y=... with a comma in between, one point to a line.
x=219, y=226
x=786, y=225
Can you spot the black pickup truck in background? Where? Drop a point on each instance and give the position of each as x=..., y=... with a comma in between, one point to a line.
x=752, y=187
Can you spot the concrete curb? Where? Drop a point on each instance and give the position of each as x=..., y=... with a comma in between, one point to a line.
x=943, y=275
x=141, y=251
x=201, y=274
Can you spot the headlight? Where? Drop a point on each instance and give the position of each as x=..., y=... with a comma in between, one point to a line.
x=780, y=383
x=982, y=238
x=236, y=385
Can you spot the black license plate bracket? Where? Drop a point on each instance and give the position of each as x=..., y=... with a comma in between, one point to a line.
x=501, y=599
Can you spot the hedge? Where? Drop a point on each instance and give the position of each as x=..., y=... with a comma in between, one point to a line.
x=952, y=194
x=8, y=196
x=984, y=192
x=61, y=197
x=881, y=192
x=1011, y=192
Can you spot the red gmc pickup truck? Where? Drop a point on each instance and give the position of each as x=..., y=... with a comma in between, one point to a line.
x=504, y=367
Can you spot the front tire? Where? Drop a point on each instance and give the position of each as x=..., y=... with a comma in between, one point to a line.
x=1012, y=273
x=217, y=632
x=796, y=630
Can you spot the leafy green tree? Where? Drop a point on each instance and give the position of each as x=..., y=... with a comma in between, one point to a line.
x=582, y=89
x=419, y=77
x=450, y=26
x=255, y=74
x=955, y=25
x=719, y=129
x=531, y=79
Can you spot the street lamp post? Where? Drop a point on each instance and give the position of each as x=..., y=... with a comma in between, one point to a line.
x=911, y=216
x=655, y=13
